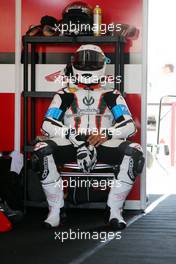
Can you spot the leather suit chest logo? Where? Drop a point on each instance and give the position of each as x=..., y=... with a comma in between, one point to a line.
x=88, y=101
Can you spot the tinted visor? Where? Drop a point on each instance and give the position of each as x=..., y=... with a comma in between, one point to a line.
x=88, y=60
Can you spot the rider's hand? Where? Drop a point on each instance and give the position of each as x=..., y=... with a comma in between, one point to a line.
x=97, y=139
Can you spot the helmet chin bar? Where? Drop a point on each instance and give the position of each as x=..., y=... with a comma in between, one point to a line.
x=89, y=65
x=89, y=77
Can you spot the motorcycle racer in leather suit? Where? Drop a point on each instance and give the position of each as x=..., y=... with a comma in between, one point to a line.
x=86, y=123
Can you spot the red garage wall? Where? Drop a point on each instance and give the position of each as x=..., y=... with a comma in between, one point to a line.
x=7, y=49
x=7, y=118
x=7, y=26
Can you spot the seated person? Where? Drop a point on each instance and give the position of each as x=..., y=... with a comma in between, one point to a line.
x=89, y=107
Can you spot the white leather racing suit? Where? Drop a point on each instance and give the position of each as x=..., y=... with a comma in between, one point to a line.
x=88, y=109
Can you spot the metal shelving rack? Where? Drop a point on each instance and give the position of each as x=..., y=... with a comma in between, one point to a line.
x=117, y=41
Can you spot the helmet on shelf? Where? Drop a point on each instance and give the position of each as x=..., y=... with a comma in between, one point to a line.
x=78, y=17
x=89, y=63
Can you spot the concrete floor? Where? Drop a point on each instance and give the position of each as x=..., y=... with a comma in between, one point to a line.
x=161, y=178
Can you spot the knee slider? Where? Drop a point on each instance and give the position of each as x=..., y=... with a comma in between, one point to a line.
x=39, y=159
x=135, y=151
x=44, y=148
x=39, y=164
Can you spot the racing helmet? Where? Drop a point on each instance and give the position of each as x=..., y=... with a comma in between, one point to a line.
x=88, y=64
x=80, y=15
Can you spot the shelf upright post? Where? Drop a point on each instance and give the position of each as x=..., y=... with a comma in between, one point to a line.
x=33, y=89
x=121, y=66
x=116, y=65
x=25, y=121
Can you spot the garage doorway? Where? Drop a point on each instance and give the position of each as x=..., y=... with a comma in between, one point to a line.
x=161, y=108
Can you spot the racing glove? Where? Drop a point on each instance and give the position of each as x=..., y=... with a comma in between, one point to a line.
x=86, y=158
x=77, y=140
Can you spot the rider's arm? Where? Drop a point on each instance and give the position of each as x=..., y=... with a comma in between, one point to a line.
x=52, y=125
x=124, y=126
